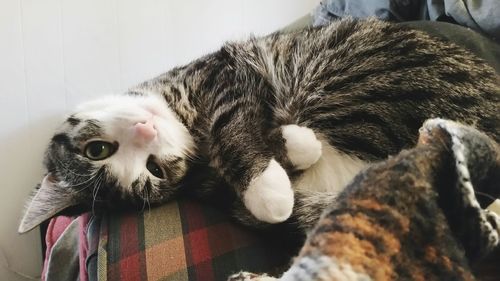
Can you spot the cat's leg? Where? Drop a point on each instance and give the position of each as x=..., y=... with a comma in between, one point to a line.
x=302, y=147
x=241, y=154
x=269, y=196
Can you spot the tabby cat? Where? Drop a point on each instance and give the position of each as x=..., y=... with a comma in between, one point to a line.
x=304, y=110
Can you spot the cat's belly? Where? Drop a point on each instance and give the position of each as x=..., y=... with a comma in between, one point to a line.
x=332, y=172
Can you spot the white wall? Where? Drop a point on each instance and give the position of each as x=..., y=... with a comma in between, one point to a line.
x=56, y=53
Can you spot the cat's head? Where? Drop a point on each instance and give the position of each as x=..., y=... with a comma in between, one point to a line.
x=113, y=151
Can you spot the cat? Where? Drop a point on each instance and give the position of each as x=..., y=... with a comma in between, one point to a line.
x=265, y=121
x=414, y=216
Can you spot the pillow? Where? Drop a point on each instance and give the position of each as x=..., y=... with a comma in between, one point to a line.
x=183, y=240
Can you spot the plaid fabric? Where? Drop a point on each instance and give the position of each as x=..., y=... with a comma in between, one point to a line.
x=181, y=241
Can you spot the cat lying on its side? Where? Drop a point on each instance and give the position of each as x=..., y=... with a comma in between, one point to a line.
x=269, y=117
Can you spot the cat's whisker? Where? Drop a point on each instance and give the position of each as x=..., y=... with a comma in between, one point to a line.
x=95, y=191
x=82, y=189
x=89, y=180
x=485, y=195
x=69, y=170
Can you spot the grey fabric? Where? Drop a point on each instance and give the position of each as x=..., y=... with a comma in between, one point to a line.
x=93, y=231
x=480, y=15
x=63, y=263
x=395, y=10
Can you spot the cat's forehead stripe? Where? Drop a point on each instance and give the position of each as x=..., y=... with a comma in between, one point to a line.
x=64, y=140
x=73, y=121
x=90, y=129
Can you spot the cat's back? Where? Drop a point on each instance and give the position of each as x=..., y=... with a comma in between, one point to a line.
x=379, y=78
x=369, y=71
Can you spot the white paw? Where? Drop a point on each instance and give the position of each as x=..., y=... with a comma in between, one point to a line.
x=269, y=197
x=303, y=148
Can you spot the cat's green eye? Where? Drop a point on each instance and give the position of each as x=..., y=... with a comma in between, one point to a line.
x=155, y=169
x=99, y=150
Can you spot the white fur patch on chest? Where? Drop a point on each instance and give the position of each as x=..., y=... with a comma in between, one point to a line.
x=332, y=172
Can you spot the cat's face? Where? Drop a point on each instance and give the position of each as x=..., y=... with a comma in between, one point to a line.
x=131, y=147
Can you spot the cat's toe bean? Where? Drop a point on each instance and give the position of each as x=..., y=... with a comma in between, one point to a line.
x=303, y=148
x=269, y=196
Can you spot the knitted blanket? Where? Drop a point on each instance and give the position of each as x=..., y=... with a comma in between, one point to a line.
x=419, y=215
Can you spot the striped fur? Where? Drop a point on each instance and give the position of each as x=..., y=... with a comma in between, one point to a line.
x=363, y=87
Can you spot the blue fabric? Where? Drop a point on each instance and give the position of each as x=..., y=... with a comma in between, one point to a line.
x=480, y=15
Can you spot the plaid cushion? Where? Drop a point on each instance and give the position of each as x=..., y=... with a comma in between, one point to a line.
x=182, y=241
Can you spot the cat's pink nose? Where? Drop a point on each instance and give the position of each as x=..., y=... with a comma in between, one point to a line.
x=145, y=131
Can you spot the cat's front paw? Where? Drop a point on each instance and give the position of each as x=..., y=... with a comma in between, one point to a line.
x=303, y=148
x=269, y=196
x=248, y=276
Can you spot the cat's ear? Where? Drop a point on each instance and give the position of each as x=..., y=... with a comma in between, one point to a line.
x=46, y=202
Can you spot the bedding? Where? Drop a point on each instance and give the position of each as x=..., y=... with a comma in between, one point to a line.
x=481, y=16
x=182, y=240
